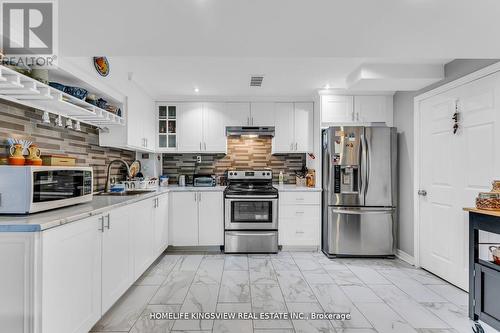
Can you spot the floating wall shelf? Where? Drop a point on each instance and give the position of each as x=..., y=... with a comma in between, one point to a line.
x=18, y=88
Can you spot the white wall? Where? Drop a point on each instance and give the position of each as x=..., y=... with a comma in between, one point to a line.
x=403, y=120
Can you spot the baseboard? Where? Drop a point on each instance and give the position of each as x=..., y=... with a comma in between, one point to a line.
x=299, y=248
x=405, y=257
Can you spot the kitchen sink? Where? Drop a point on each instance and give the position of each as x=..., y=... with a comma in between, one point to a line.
x=125, y=193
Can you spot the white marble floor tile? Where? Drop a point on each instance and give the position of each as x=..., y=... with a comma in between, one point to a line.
x=436, y=330
x=345, y=278
x=122, y=316
x=174, y=289
x=317, y=277
x=284, y=264
x=158, y=272
x=453, y=294
x=188, y=263
x=147, y=325
x=294, y=287
x=268, y=298
x=261, y=271
x=235, y=287
x=307, y=263
x=451, y=314
x=309, y=325
x=236, y=263
x=368, y=275
x=356, y=330
x=360, y=294
x=284, y=330
x=423, y=276
x=384, y=319
x=200, y=298
x=414, y=313
x=332, y=264
x=209, y=272
x=230, y=326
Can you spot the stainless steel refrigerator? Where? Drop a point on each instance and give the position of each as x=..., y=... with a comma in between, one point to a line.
x=359, y=191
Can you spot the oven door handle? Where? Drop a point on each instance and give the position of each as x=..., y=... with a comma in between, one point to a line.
x=248, y=233
x=230, y=196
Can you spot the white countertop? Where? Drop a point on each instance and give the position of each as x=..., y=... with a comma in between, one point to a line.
x=295, y=188
x=98, y=205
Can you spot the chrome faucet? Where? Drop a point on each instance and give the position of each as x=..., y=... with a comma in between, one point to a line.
x=108, y=183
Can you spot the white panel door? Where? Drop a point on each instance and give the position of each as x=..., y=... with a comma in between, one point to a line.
x=371, y=109
x=237, y=114
x=183, y=220
x=453, y=169
x=71, y=277
x=262, y=114
x=142, y=229
x=337, y=109
x=211, y=218
x=189, y=127
x=303, y=127
x=214, y=127
x=161, y=224
x=284, y=139
x=117, y=260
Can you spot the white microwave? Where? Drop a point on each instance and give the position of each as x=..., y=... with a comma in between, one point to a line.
x=31, y=189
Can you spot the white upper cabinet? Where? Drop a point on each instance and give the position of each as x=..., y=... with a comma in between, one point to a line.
x=237, y=113
x=283, y=140
x=356, y=109
x=190, y=127
x=372, y=109
x=262, y=114
x=303, y=128
x=215, y=120
x=337, y=109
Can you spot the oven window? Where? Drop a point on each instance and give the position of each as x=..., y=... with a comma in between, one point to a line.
x=60, y=184
x=251, y=211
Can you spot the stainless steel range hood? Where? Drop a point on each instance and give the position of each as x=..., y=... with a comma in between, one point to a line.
x=250, y=130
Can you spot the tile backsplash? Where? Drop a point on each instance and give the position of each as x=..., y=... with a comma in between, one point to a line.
x=242, y=153
x=25, y=123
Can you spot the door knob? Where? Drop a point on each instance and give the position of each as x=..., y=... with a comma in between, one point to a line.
x=422, y=192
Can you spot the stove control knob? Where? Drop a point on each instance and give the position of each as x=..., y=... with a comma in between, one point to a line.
x=230, y=173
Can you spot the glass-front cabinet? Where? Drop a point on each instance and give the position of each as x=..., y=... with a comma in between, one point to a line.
x=167, y=126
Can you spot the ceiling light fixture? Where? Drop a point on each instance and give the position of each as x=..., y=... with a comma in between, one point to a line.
x=196, y=90
x=327, y=86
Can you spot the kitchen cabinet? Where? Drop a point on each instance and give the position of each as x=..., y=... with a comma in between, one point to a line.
x=196, y=218
x=299, y=219
x=190, y=127
x=166, y=126
x=160, y=218
x=293, y=128
x=142, y=230
x=71, y=277
x=215, y=120
x=337, y=109
x=237, y=113
x=261, y=114
x=211, y=219
x=356, y=109
x=117, y=260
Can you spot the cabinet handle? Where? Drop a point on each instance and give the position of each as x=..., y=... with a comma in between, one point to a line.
x=299, y=199
x=200, y=145
x=252, y=121
x=299, y=232
x=205, y=145
x=248, y=120
x=108, y=226
x=199, y=196
x=195, y=196
x=296, y=145
x=101, y=219
x=291, y=146
x=299, y=213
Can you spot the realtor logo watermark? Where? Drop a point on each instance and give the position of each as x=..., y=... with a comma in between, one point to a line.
x=29, y=32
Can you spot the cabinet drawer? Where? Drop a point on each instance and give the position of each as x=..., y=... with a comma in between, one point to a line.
x=300, y=212
x=297, y=198
x=296, y=232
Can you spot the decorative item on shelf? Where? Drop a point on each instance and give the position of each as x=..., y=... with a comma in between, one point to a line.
x=101, y=65
x=112, y=109
x=77, y=92
x=59, y=122
x=102, y=103
x=495, y=253
x=46, y=117
x=16, y=154
x=91, y=99
x=58, y=160
x=58, y=86
x=69, y=124
x=311, y=178
x=34, y=155
x=488, y=201
x=496, y=186
x=40, y=74
x=77, y=126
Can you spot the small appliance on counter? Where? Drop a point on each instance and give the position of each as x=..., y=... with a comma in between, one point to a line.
x=182, y=180
x=489, y=200
x=31, y=189
x=203, y=181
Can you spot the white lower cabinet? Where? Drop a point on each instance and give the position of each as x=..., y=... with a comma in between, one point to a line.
x=160, y=218
x=299, y=219
x=142, y=231
x=196, y=218
x=117, y=260
x=71, y=277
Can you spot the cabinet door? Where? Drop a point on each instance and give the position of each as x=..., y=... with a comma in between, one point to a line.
x=262, y=114
x=161, y=224
x=190, y=127
x=337, y=109
x=237, y=113
x=117, y=260
x=71, y=277
x=283, y=141
x=214, y=127
x=211, y=219
x=134, y=116
x=142, y=229
x=183, y=220
x=303, y=127
x=372, y=109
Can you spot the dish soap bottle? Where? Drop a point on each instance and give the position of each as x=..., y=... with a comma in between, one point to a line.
x=281, y=178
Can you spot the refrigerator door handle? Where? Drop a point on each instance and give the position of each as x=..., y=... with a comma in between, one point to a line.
x=368, y=163
x=363, y=172
x=362, y=211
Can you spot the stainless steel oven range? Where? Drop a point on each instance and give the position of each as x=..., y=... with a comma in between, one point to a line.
x=250, y=212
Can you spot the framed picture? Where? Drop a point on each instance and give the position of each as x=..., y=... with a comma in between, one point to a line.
x=101, y=65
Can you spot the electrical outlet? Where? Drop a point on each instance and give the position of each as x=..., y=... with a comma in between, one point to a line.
x=198, y=159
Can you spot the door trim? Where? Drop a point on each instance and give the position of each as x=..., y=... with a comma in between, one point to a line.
x=417, y=153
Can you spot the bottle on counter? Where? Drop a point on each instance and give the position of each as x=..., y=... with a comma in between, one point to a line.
x=281, y=178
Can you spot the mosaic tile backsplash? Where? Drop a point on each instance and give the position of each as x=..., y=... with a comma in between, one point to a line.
x=26, y=123
x=242, y=153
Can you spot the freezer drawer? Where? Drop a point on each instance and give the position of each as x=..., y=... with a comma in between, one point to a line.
x=359, y=232
x=251, y=242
